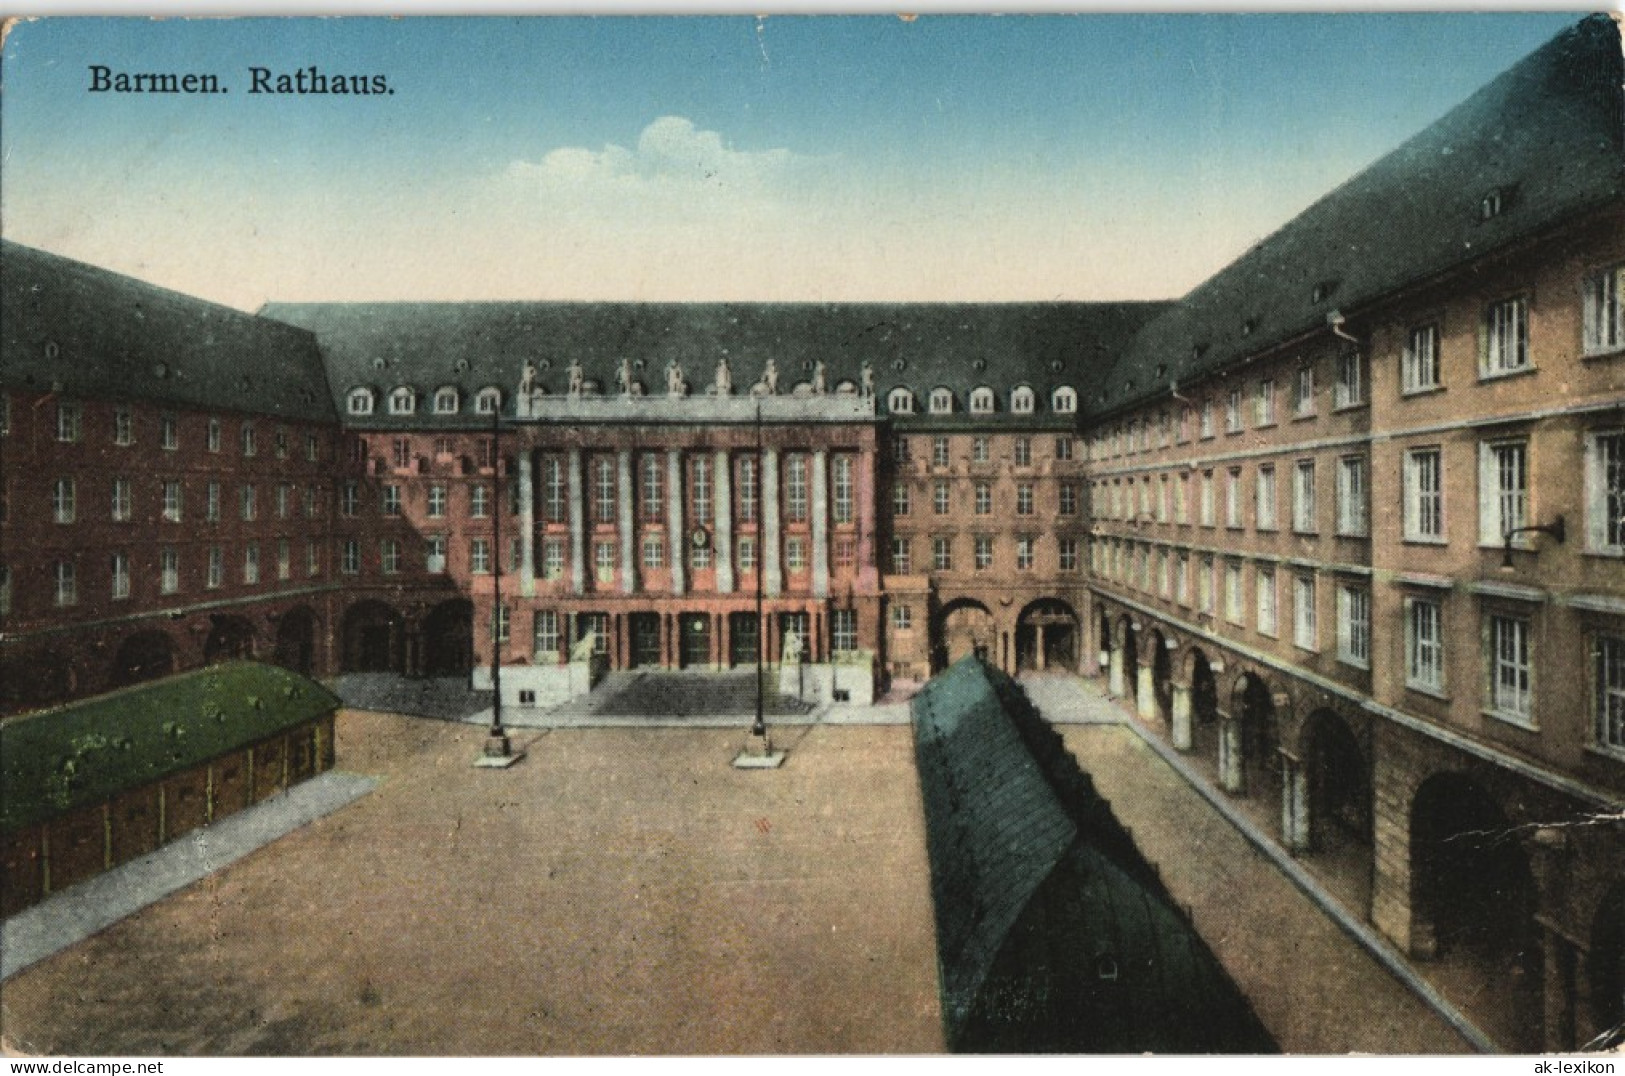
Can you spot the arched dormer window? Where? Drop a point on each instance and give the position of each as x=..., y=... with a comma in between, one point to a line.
x=982, y=401
x=446, y=400
x=403, y=401
x=942, y=401
x=900, y=401
x=1064, y=401
x=488, y=401
x=1021, y=400
x=361, y=401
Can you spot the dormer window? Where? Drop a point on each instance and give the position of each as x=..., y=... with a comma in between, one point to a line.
x=1322, y=291
x=1491, y=204
x=488, y=401
x=981, y=401
x=1064, y=401
x=361, y=401
x=403, y=401
x=900, y=401
x=942, y=401
x=1021, y=401
x=446, y=401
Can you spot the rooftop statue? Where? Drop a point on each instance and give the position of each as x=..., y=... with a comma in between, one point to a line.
x=527, y=381
x=820, y=381
x=868, y=387
x=577, y=381
x=676, y=384
x=623, y=377
x=725, y=378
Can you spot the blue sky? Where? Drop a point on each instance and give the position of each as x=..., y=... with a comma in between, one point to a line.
x=867, y=157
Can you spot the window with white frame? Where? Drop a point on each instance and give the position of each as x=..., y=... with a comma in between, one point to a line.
x=1304, y=633
x=1424, y=644
x=979, y=449
x=1353, y=625
x=939, y=452
x=1506, y=338
x=843, y=630
x=900, y=499
x=1264, y=403
x=1424, y=494
x=169, y=437
x=553, y=558
x=1604, y=310
x=900, y=401
x=1503, y=488
x=434, y=554
x=313, y=557
x=545, y=632
x=250, y=440
x=437, y=502
x=64, y=500
x=1025, y=544
x=984, y=498
x=1063, y=449
x=169, y=571
x=902, y=617
x=1265, y=498
x=1064, y=401
x=1182, y=574
x=121, y=576
x=1605, y=490
x=479, y=556
x=1232, y=593
x=251, y=563
x=1182, y=499
x=1303, y=497
x=1419, y=367
x=942, y=401
x=1506, y=641
x=1068, y=561
x=1232, y=412
x=479, y=501
x=392, y=500
x=1204, y=586
x=172, y=501
x=360, y=401
x=603, y=561
x=1351, y=496
x=1608, y=706
x=66, y=578
x=1023, y=450
x=1067, y=499
x=1303, y=392
x=69, y=421
x=795, y=487
x=121, y=500
x=653, y=551
x=939, y=498
x=216, y=568
x=1024, y=498
x=747, y=489
x=488, y=401
x=603, y=489
x=942, y=553
x=350, y=557
x=123, y=427
x=982, y=400
x=1021, y=400
x=902, y=559
x=403, y=401
x=1349, y=388
x=842, y=489
x=1232, y=498
x=212, y=438
x=745, y=553
x=1206, y=499
x=1162, y=498
x=389, y=555
x=1264, y=593
x=446, y=400
x=982, y=552
x=700, y=495
x=1207, y=418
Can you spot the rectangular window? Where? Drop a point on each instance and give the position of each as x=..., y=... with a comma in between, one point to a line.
x=313, y=558
x=121, y=500
x=216, y=568
x=939, y=498
x=902, y=617
x=282, y=492
x=1349, y=391
x=1354, y=626
x=499, y=625
x=699, y=556
x=1264, y=404
x=1509, y=672
x=1182, y=573
x=1207, y=418
x=603, y=561
x=313, y=448
x=434, y=554
x=1264, y=496
x=437, y=502
x=1609, y=705
x=1506, y=338
x=1264, y=584
x=172, y=502
x=597, y=626
x=554, y=485
x=1024, y=551
x=746, y=548
x=479, y=501
x=1232, y=412
x=392, y=500
x=979, y=450
x=123, y=427
x=1424, y=495
x=67, y=583
x=251, y=563
x=284, y=559
x=1605, y=491
x=700, y=494
x=1182, y=500
x=1503, y=483
x=1303, y=612
x=1420, y=364
x=1424, y=645
x=795, y=488
x=281, y=438
x=249, y=444
x=942, y=554
x=1232, y=498
x=1303, y=392
x=939, y=452
x=603, y=489
x=795, y=554
x=984, y=552
x=1204, y=585
x=64, y=500
x=1232, y=593
x=846, y=552
x=121, y=576
x=841, y=484
x=901, y=559
x=349, y=498
x=350, y=557
x=211, y=502
x=69, y=421
x=984, y=499
x=169, y=571
x=545, y=633
x=1068, y=496
x=1207, y=499
x=1351, y=511
x=1605, y=311
x=1024, y=451
x=902, y=450
x=1063, y=449
x=479, y=556
x=250, y=507
x=1303, y=497
x=747, y=489
x=553, y=558
x=1024, y=498
x=389, y=556
x=654, y=551
x=1068, y=561
x=212, y=440
x=843, y=630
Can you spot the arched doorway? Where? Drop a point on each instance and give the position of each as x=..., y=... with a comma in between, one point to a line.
x=230, y=637
x=1254, y=710
x=1047, y=636
x=1204, y=708
x=1473, y=901
x=964, y=629
x=448, y=639
x=372, y=638
x=1128, y=641
x=1606, y=972
x=146, y=655
x=296, y=640
x=1339, y=785
x=1162, y=676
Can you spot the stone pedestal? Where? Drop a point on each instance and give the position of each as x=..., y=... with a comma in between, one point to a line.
x=1145, y=698
x=1231, y=776
x=1182, y=718
x=1295, y=818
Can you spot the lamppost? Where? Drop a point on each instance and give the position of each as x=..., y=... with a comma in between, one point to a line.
x=498, y=752
x=758, y=753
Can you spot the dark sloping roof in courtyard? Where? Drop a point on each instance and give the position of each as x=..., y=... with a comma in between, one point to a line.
x=1547, y=138
x=56, y=760
x=918, y=345
x=84, y=331
x=1053, y=932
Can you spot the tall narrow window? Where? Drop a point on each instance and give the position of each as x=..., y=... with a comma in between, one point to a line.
x=795, y=487
x=1351, y=511
x=1420, y=364
x=1503, y=490
x=123, y=427
x=121, y=500
x=1303, y=612
x=1609, y=705
x=67, y=583
x=1605, y=491
x=64, y=501
x=747, y=489
x=841, y=472
x=1604, y=312
x=1353, y=626
x=1509, y=672
x=700, y=494
x=172, y=501
x=1349, y=389
x=1424, y=495
x=1232, y=497
x=169, y=571
x=1264, y=584
x=121, y=576
x=553, y=489
x=1506, y=338
x=1424, y=645
x=1264, y=495
x=1303, y=392
x=603, y=489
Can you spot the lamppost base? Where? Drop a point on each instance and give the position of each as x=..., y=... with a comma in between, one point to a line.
x=498, y=754
x=758, y=754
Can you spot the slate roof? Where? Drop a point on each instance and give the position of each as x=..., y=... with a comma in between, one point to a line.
x=93, y=333
x=1548, y=135
x=918, y=345
x=83, y=753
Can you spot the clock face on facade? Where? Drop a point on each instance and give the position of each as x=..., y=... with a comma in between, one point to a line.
x=700, y=538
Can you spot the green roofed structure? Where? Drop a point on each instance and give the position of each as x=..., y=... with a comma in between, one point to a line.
x=1053, y=933
x=98, y=782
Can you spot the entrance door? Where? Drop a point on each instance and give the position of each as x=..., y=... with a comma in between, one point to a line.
x=742, y=639
x=695, y=632
x=375, y=648
x=645, y=639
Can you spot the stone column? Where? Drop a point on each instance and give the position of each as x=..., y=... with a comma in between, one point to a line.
x=864, y=514
x=1145, y=695
x=1182, y=718
x=820, y=524
x=623, y=520
x=767, y=557
x=1038, y=644
x=674, y=518
x=578, y=526
x=527, y=525
x=1231, y=776
x=1295, y=819
x=1114, y=676
x=722, y=482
